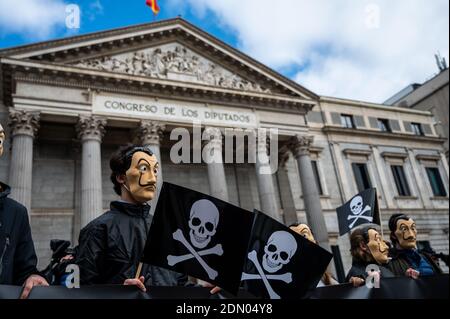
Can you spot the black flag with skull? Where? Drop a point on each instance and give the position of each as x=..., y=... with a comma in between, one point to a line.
x=361, y=209
x=199, y=235
x=281, y=264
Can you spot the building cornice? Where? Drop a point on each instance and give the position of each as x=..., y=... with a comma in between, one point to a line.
x=376, y=106
x=357, y=152
x=428, y=157
x=63, y=75
x=399, y=155
x=386, y=135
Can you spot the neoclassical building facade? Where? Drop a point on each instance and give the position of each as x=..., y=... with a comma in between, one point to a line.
x=70, y=103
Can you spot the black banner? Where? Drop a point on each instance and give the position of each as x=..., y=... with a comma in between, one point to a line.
x=282, y=264
x=361, y=209
x=118, y=292
x=433, y=287
x=199, y=235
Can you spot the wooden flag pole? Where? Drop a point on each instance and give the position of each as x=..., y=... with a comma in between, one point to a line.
x=138, y=272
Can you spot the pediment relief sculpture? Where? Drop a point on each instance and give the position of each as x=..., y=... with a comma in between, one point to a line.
x=173, y=63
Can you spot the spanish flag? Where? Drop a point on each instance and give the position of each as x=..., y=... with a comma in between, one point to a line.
x=153, y=4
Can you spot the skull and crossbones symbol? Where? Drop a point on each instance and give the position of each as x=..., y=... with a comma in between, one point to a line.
x=203, y=221
x=356, y=206
x=278, y=252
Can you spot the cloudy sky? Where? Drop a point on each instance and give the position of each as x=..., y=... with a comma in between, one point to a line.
x=359, y=49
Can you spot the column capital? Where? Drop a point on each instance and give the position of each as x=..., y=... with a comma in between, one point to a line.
x=151, y=132
x=23, y=122
x=301, y=144
x=91, y=127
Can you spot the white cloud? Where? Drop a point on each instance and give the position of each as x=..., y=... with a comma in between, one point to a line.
x=36, y=19
x=338, y=44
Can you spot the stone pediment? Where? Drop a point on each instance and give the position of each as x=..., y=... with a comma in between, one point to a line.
x=172, y=50
x=172, y=62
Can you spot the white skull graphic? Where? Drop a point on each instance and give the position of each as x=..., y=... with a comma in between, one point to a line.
x=356, y=205
x=204, y=217
x=278, y=251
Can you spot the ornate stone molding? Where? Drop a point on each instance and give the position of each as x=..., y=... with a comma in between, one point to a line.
x=23, y=122
x=301, y=145
x=176, y=63
x=151, y=132
x=91, y=127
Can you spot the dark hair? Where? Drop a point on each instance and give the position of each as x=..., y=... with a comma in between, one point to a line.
x=294, y=225
x=393, y=225
x=358, y=236
x=120, y=162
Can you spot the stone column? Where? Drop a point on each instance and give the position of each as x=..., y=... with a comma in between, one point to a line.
x=90, y=132
x=76, y=153
x=316, y=220
x=287, y=199
x=151, y=134
x=212, y=155
x=266, y=189
x=24, y=126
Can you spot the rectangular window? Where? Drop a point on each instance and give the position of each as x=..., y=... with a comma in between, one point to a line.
x=417, y=129
x=317, y=177
x=347, y=121
x=361, y=176
x=384, y=126
x=436, y=181
x=400, y=180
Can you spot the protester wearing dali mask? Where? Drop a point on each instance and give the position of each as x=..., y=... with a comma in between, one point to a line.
x=406, y=259
x=110, y=247
x=304, y=230
x=367, y=248
x=17, y=254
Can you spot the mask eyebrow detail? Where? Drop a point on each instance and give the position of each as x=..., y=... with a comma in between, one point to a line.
x=144, y=160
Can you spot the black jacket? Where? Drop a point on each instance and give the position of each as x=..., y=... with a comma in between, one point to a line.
x=111, y=246
x=400, y=263
x=359, y=270
x=17, y=255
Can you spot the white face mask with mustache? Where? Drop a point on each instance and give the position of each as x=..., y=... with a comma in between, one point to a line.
x=142, y=176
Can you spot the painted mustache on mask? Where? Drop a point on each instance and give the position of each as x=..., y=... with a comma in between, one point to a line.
x=410, y=238
x=382, y=251
x=151, y=185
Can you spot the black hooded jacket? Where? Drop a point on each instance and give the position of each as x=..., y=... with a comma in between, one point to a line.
x=111, y=246
x=17, y=255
